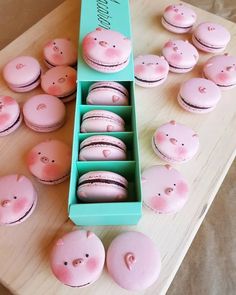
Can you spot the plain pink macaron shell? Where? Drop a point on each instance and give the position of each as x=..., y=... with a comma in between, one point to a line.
x=22, y=73
x=150, y=70
x=107, y=93
x=102, y=186
x=60, y=52
x=102, y=121
x=106, y=50
x=133, y=261
x=102, y=148
x=211, y=37
x=77, y=259
x=18, y=199
x=198, y=95
x=175, y=143
x=10, y=116
x=44, y=113
x=221, y=69
x=178, y=18
x=49, y=161
x=181, y=55
x=164, y=189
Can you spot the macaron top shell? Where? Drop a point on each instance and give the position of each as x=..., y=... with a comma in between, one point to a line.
x=164, y=189
x=17, y=197
x=180, y=53
x=221, y=69
x=21, y=71
x=60, y=52
x=9, y=112
x=133, y=261
x=150, y=67
x=77, y=259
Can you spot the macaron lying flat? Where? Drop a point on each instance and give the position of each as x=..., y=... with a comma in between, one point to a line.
x=178, y=18
x=44, y=113
x=133, y=261
x=49, y=161
x=18, y=199
x=181, y=55
x=102, y=148
x=150, y=70
x=10, y=116
x=107, y=93
x=60, y=81
x=175, y=143
x=164, y=188
x=60, y=52
x=210, y=37
x=198, y=95
x=101, y=121
x=22, y=74
x=106, y=50
x=102, y=186
x=221, y=69
x=77, y=259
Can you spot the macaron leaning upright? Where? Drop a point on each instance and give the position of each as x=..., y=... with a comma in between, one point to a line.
x=178, y=18
x=106, y=51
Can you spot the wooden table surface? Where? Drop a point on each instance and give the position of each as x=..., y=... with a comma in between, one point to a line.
x=25, y=249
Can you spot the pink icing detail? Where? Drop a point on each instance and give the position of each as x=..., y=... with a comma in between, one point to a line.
x=109, y=128
x=51, y=171
x=181, y=151
x=49, y=44
x=160, y=69
x=130, y=260
x=77, y=262
x=5, y=203
x=71, y=80
x=4, y=118
x=113, y=52
x=182, y=188
x=92, y=264
x=160, y=137
x=202, y=89
x=32, y=158
x=106, y=153
x=8, y=100
x=89, y=43
x=169, y=191
x=57, y=57
x=89, y=234
x=222, y=77
x=179, y=17
x=60, y=242
x=173, y=141
x=169, y=8
x=169, y=167
x=173, y=122
x=175, y=57
x=54, y=90
x=63, y=274
x=168, y=44
x=139, y=69
x=19, y=205
x=115, y=98
x=158, y=203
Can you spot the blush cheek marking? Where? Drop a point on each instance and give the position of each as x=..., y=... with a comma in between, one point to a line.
x=175, y=57
x=57, y=57
x=51, y=171
x=179, y=17
x=158, y=203
x=92, y=264
x=160, y=70
x=112, y=52
x=71, y=80
x=139, y=69
x=89, y=43
x=54, y=90
x=160, y=137
x=63, y=274
x=32, y=158
x=8, y=100
x=19, y=205
x=182, y=189
x=222, y=77
x=4, y=118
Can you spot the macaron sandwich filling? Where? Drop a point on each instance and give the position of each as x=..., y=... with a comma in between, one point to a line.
x=194, y=106
x=103, y=180
x=102, y=143
x=179, y=27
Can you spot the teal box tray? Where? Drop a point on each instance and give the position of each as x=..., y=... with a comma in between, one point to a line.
x=109, y=14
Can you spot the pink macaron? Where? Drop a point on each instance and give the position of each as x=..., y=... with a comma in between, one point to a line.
x=198, y=95
x=77, y=258
x=175, y=143
x=133, y=261
x=49, y=161
x=60, y=52
x=102, y=121
x=102, y=186
x=18, y=199
x=181, y=55
x=150, y=70
x=60, y=81
x=107, y=93
x=102, y=148
x=178, y=18
x=164, y=188
x=22, y=73
x=10, y=115
x=44, y=113
x=221, y=69
x=106, y=50
x=211, y=37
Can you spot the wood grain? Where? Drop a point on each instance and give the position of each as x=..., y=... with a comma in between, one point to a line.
x=25, y=249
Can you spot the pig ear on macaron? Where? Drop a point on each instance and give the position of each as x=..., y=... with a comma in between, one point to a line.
x=90, y=234
x=60, y=242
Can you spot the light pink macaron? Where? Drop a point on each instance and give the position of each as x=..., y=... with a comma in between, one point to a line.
x=44, y=113
x=164, y=188
x=77, y=259
x=178, y=18
x=102, y=186
x=18, y=199
x=22, y=73
x=102, y=148
x=106, y=50
x=10, y=115
x=49, y=161
x=211, y=37
x=107, y=93
x=150, y=70
x=102, y=121
x=60, y=52
x=221, y=69
x=175, y=143
x=181, y=55
x=133, y=261
x=60, y=81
